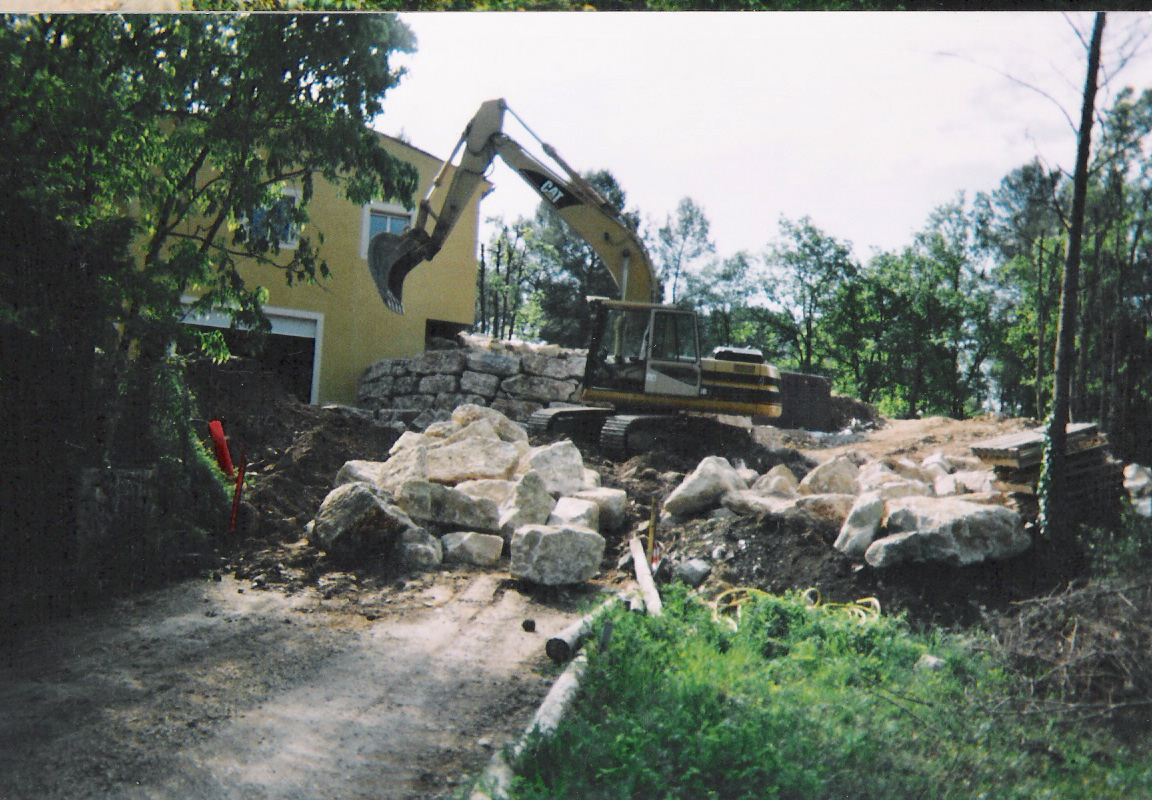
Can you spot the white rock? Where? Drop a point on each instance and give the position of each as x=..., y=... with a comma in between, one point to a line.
x=831, y=507
x=471, y=547
x=837, y=476
x=420, y=549
x=441, y=430
x=861, y=526
x=356, y=522
x=406, y=440
x=750, y=503
x=432, y=504
x=409, y=464
x=905, y=488
x=704, y=487
x=494, y=489
x=937, y=464
x=778, y=481
x=530, y=503
x=613, y=505
x=591, y=479
x=947, y=530
x=553, y=556
x=505, y=428
x=574, y=511
x=359, y=472
x=875, y=474
x=747, y=474
x=907, y=468
x=470, y=459
x=560, y=465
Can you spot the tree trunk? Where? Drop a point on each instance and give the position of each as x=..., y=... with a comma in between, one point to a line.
x=1054, y=508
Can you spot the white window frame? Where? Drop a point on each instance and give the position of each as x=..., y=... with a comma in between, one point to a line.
x=366, y=218
x=285, y=322
x=291, y=244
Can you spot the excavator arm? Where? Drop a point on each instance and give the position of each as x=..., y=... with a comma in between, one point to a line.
x=392, y=258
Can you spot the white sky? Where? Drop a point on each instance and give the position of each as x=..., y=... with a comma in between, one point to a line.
x=857, y=120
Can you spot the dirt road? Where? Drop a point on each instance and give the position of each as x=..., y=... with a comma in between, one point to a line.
x=216, y=689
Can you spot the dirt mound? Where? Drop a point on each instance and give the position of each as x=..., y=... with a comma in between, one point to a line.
x=294, y=450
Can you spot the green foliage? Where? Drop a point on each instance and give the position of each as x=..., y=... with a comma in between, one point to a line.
x=810, y=703
x=1124, y=551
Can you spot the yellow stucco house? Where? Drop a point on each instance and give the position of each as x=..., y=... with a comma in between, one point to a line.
x=324, y=335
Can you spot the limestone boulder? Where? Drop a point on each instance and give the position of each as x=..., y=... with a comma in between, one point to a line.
x=502, y=365
x=409, y=464
x=356, y=523
x=692, y=572
x=905, y=488
x=443, y=508
x=406, y=440
x=420, y=549
x=559, y=464
x=837, y=476
x=829, y=507
x=472, y=547
x=861, y=525
x=751, y=503
x=493, y=489
x=704, y=487
x=505, y=429
x=470, y=459
x=964, y=482
x=555, y=555
x=359, y=472
x=613, y=505
x=777, y=481
x=574, y=511
x=530, y=503
x=947, y=530
x=907, y=469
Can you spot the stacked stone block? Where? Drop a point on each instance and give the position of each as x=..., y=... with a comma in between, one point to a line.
x=515, y=378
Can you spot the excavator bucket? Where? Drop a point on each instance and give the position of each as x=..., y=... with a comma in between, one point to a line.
x=391, y=258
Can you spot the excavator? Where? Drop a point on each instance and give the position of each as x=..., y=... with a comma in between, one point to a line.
x=644, y=363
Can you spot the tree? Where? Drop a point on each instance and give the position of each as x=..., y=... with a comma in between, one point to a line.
x=506, y=302
x=807, y=266
x=721, y=292
x=680, y=242
x=136, y=149
x=1053, y=509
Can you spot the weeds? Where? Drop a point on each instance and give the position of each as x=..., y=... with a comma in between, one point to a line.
x=809, y=702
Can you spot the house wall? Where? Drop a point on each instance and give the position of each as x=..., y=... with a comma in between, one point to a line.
x=356, y=329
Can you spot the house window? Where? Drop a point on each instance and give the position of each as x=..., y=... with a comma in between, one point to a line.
x=382, y=218
x=274, y=223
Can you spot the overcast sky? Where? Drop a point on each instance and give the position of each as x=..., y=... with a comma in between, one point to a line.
x=863, y=122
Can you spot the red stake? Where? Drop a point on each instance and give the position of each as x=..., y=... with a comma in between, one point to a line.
x=223, y=458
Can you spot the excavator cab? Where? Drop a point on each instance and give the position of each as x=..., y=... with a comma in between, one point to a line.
x=640, y=350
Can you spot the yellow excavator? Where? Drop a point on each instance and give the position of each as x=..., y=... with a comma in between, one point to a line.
x=644, y=362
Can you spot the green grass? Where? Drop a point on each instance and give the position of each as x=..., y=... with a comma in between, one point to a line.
x=809, y=703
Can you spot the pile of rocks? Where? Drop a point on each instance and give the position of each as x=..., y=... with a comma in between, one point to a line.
x=515, y=378
x=470, y=489
x=889, y=510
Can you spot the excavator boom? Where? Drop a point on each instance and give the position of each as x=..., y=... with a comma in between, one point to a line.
x=392, y=258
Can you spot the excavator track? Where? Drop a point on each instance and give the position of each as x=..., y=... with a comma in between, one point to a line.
x=579, y=422
x=626, y=435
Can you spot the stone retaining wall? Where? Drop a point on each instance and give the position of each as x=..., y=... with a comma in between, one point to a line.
x=515, y=378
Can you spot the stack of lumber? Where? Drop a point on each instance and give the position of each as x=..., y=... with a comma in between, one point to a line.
x=1094, y=483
